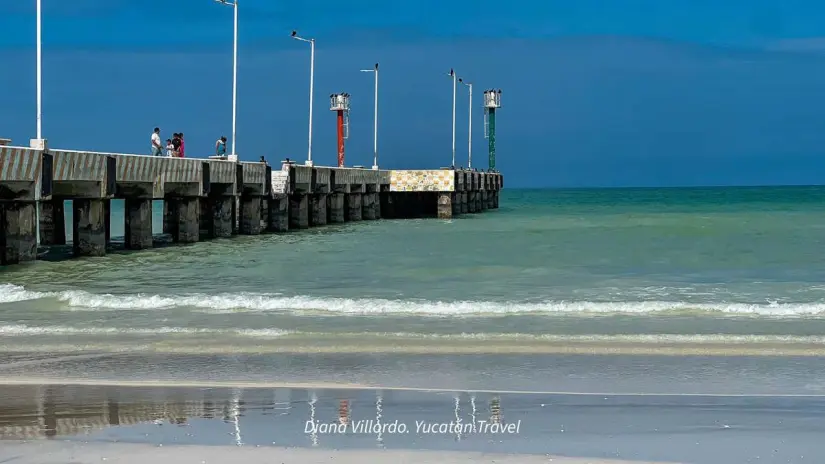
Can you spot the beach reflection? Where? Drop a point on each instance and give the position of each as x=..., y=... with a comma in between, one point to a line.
x=64, y=411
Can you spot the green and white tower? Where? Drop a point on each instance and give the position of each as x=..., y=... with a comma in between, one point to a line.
x=492, y=102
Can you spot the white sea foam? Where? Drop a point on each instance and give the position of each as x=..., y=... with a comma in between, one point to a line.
x=301, y=305
x=16, y=330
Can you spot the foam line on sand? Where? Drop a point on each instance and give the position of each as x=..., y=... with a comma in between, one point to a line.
x=121, y=453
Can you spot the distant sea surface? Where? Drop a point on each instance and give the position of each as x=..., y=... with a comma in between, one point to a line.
x=706, y=271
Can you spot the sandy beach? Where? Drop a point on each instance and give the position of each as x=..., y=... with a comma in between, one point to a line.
x=60, y=453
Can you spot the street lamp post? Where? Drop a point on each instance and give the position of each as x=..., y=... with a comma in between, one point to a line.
x=375, y=119
x=234, y=6
x=453, y=75
x=311, y=88
x=470, y=126
x=39, y=142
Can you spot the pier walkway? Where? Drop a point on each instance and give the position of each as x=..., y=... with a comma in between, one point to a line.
x=223, y=198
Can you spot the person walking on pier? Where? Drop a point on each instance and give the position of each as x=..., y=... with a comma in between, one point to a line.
x=181, y=154
x=157, y=148
x=220, y=146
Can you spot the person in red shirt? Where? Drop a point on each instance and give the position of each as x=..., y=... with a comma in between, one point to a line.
x=181, y=145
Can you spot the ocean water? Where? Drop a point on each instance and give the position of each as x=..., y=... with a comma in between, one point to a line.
x=709, y=271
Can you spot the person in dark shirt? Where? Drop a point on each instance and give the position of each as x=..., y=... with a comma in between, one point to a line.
x=176, y=145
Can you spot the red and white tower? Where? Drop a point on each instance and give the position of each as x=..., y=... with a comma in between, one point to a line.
x=339, y=102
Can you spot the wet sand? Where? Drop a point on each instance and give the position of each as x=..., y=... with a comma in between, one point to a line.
x=87, y=423
x=55, y=453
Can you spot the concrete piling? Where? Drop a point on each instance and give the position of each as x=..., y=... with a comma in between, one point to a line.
x=107, y=219
x=278, y=214
x=138, y=220
x=368, y=206
x=445, y=205
x=250, y=220
x=52, y=222
x=353, y=207
x=221, y=216
x=18, y=242
x=319, y=209
x=299, y=211
x=184, y=223
x=88, y=227
x=335, y=208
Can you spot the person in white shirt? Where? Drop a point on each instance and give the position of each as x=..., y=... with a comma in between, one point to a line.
x=157, y=148
x=169, y=148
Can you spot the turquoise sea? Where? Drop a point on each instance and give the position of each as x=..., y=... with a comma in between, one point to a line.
x=647, y=271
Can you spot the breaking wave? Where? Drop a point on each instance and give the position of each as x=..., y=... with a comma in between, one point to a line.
x=299, y=305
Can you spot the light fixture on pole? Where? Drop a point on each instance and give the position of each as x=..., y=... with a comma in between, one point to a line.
x=39, y=143
x=311, y=88
x=234, y=5
x=453, y=75
x=375, y=119
x=469, y=127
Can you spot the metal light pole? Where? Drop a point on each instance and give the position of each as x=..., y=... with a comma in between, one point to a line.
x=375, y=119
x=311, y=88
x=453, y=75
x=234, y=6
x=39, y=75
x=469, y=127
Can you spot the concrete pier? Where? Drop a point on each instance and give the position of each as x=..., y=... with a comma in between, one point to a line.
x=88, y=227
x=210, y=198
x=299, y=211
x=353, y=208
x=220, y=216
x=445, y=205
x=278, y=216
x=138, y=217
x=335, y=208
x=19, y=227
x=250, y=216
x=368, y=206
x=52, y=222
x=184, y=224
x=319, y=209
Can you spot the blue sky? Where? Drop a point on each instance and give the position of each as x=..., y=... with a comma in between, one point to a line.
x=595, y=93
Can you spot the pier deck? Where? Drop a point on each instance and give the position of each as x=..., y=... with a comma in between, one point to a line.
x=222, y=198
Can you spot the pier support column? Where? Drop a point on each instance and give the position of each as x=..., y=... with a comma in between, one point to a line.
x=18, y=226
x=335, y=205
x=250, y=215
x=353, y=206
x=168, y=214
x=456, y=203
x=278, y=215
x=368, y=206
x=89, y=227
x=184, y=224
x=319, y=209
x=483, y=200
x=264, y=213
x=298, y=211
x=52, y=222
x=220, y=216
x=378, y=212
x=138, y=233
x=107, y=219
x=445, y=205
x=495, y=199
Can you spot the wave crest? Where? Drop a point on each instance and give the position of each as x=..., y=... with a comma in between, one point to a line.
x=305, y=305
